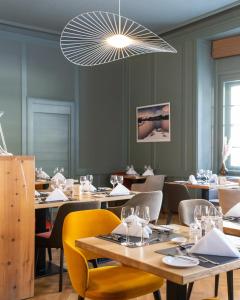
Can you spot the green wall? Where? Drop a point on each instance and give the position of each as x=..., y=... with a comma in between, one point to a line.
x=32, y=65
x=187, y=80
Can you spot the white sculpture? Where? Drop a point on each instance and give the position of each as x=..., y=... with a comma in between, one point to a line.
x=3, y=147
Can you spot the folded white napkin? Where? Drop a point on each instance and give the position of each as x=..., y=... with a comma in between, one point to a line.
x=148, y=172
x=192, y=179
x=88, y=187
x=37, y=194
x=57, y=195
x=134, y=229
x=119, y=190
x=234, y=211
x=58, y=176
x=215, y=242
x=43, y=175
x=131, y=171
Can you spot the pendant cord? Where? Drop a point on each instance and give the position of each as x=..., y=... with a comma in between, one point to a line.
x=119, y=16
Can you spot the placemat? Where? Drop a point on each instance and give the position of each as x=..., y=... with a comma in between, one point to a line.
x=155, y=238
x=181, y=251
x=232, y=219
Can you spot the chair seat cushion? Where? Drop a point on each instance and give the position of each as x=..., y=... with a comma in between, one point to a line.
x=119, y=283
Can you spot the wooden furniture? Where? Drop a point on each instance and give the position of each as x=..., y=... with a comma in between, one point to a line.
x=231, y=228
x=85, y=198
x=228, y=198
x=146, y=259
x=17, y=227
x=152, y=183
x=226, y=47
x=128, y=180
x=41, y=184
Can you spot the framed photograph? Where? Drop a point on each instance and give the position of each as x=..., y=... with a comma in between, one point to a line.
x=153, y=123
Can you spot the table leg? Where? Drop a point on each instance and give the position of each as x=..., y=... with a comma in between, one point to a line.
x=230, y=285
x=176, y=291
x=40, y=254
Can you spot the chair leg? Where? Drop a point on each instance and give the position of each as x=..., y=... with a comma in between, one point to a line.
x=80, y=298
x=49, y=254
x=61, y=270
x=169, y=217
x=216, y=285
x=189, y=290
x=157, y=295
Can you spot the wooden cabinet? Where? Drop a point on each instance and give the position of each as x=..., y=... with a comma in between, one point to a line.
x=17, y=179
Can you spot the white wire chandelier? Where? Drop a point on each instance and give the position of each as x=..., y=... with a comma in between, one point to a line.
x=98, y=37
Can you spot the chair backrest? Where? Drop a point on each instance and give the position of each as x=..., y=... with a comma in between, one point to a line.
x=173, y=193
x=152, y=183
x=151, y=199
x=228, y=198
x=78, y=225
x=186, y=210
x=63, y=211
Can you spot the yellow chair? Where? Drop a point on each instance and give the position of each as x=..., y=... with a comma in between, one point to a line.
x=103, y=283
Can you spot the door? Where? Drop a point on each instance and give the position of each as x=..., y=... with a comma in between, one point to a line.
x=50, y=130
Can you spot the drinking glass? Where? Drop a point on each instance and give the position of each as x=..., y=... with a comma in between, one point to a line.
x=82, y=181
x=127, y=216
x=113, y=180
x=194, y=233
x=61, y=170
x=56, y=170
x=90, y=178
x=120, y=179
x=143, y=214
x=216, y=217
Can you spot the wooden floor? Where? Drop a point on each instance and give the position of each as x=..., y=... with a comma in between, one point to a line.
x=47, y=288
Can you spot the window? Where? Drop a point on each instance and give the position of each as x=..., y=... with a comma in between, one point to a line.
x=231, y=121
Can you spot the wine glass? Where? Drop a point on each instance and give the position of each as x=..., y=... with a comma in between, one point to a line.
x=127, y=217
x=61, y=170
x=56, y=170
x=113, y=180
x=143, y=214
x=120, y=179
x=82, y=181
x=90, y=179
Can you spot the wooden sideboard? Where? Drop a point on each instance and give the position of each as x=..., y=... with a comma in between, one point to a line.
x=17, y=227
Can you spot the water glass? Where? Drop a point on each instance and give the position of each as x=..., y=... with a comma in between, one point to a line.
x=143, y=214
x=113, y=180
x=82, y=181
x=89, y=178
x=127, y=218
x=120, y=179
x=216, y=217
x=201, y=217
x=194, y=233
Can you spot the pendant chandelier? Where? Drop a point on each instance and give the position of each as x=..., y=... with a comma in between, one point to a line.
x=98, y=37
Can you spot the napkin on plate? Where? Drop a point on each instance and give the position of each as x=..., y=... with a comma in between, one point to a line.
x=148, y=172
x=234, y=211
x=88, y=187
x=57, y=195
x=192, y=179
x=58, y=176
x=43, y=175
x=119, y=190
x=215, y=242
x=134, y=229
x=131, y=171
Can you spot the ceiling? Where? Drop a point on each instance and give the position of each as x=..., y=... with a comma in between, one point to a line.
x=158, y=15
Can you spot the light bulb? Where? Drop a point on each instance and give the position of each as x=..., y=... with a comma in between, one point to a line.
x=119, y=41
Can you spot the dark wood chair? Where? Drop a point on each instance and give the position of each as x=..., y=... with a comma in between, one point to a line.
x=53, y=239
x=173, y=194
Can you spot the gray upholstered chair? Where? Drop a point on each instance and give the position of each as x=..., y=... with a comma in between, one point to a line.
x=186, y=210
x=152, y=183
x=151, y=199
x=173, y=193
x=186, y=217
x=228, y=198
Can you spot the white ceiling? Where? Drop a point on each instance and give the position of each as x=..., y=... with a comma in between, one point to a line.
x=158, y=15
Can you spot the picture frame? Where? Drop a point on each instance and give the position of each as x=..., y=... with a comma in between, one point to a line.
x=153, y=123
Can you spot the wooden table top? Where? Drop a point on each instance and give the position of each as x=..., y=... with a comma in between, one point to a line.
x=231, y=228
x=207, y=186
x=145, y=258
x=85, y=198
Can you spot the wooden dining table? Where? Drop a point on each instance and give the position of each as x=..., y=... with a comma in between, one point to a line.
x=145, y=258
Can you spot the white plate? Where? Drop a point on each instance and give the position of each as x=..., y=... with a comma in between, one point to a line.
x=179, y=240
x=180, y=262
